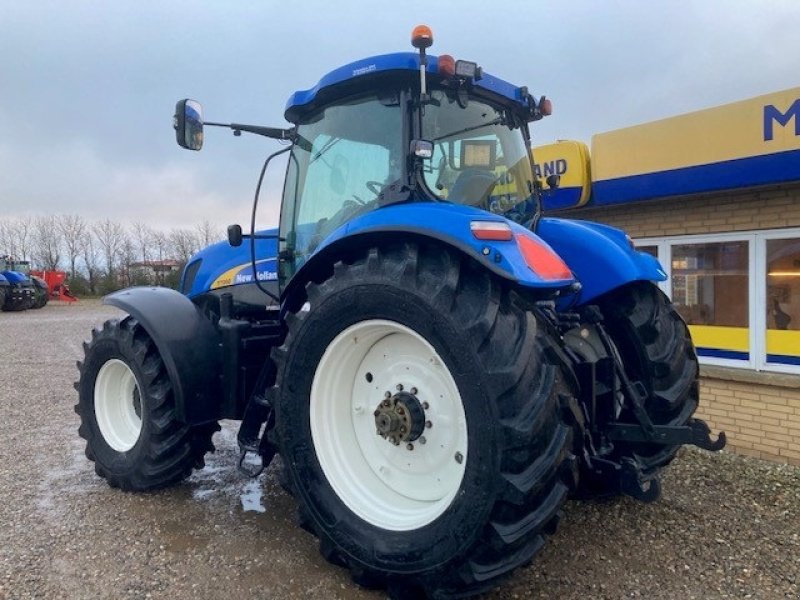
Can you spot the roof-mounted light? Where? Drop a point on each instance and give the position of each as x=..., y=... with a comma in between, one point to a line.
x=466, y=68
x=422, y=37
x=545, y=106
x=447, y=65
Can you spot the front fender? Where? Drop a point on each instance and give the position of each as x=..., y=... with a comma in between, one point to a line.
x=188, y=343
x=449, y=224
x=600, y=256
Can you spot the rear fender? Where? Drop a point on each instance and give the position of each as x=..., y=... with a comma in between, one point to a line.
x=448, y=224
x=188, y=343
x=601, y=257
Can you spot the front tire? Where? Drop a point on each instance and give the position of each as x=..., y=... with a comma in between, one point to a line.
x=128, y=412
x=473, y=485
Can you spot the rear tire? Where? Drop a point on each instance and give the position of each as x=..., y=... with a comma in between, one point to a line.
x=656, y=349
x=128, y=413
x=453, y=516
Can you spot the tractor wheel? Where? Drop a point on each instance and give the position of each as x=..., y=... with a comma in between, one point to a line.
x=420, y=414
x=127, y=411
x=41, y=301
x=657, y=350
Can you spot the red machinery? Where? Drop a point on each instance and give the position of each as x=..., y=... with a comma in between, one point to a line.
x=56, y=282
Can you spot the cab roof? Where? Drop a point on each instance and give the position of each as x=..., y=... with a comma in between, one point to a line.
x=303, y=101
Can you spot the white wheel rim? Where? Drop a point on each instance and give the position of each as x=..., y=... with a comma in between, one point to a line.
x=115, y=398
x=388, y=486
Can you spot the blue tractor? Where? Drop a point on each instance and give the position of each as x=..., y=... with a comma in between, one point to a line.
x=5, y=288
x=438, y=365
x=17, y=290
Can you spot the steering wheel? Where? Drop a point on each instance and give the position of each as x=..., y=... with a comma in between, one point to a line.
x=474, y=187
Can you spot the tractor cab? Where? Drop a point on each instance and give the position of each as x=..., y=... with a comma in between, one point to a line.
x=374, y=140
x=389, y=130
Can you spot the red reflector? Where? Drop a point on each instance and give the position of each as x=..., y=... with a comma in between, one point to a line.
x=546, y=107
x=491, y=230
x=541, y=260
x=447, y=65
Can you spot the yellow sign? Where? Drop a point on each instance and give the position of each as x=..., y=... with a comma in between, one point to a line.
x=570, y=161
x=752, y=142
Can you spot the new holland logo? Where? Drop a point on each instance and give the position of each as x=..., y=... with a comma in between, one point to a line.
x=773, y=115
x=552, y=167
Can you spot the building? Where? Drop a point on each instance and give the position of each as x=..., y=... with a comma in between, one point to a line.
x=715, y=195
x=154, y=271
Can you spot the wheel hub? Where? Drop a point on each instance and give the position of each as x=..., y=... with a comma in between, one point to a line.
x=400, y=417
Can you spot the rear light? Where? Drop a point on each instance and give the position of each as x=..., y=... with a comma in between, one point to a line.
x=545, y=106
x=542, y=260
x=447, y=65
x=491, y=230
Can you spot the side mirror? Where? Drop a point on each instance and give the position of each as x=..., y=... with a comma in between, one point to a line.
x=188, y=124
x=553, y=181
x=235, y=235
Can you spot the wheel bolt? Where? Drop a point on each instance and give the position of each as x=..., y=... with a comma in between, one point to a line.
x=399, y=387
x=409, y=446
x=422, y=439
x=414, y=391
x=400, y=410
x=459, y=457
x=428, y=424
x=425, y=405
x=388, y=395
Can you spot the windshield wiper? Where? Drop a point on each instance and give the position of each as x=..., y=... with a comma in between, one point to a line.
x=497, y=121
x=327, y=146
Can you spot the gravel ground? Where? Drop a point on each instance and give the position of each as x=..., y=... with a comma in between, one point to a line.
x=726, y=527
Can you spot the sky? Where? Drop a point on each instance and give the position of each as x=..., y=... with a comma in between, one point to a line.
x=88, y=89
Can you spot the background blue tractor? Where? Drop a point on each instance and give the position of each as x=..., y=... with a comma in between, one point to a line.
x=437, y=364
x=19, y=291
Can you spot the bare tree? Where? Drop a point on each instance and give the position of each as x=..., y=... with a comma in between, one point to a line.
x=184, y=243
x=143, y=239
x=110, y=236
x=91, y=260
x=22, y=230
x=46, y=242
x=7, y=241
x=73, y=231
x=207, y=233
x=161, y=245
x=127, y=256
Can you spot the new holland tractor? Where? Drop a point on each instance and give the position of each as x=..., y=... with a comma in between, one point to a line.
x=17, y=290
x=439, y=366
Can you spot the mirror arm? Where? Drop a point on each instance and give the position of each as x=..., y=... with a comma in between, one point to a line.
x=270, y=132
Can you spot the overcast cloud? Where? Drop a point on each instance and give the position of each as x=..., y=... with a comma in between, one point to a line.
x=87, y=89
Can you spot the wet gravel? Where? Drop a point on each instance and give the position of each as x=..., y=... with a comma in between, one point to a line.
x=726, y=526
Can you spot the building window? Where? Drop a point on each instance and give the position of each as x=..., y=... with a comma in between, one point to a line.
x=710, y=291
x=783, y=301
x=739, y=293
